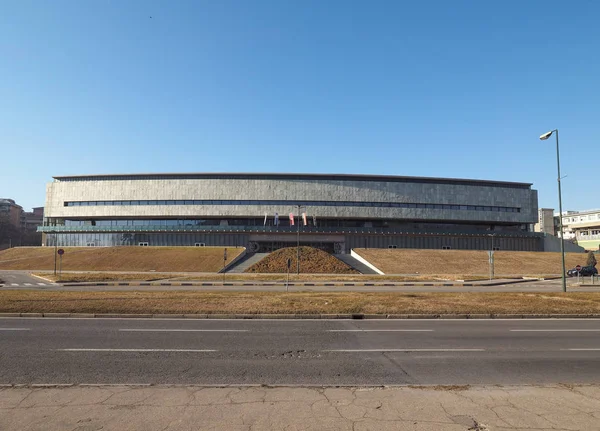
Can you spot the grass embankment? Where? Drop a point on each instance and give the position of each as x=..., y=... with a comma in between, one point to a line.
x=474, y=262
x=172, y=259
x=312, y=260
x=302, y=303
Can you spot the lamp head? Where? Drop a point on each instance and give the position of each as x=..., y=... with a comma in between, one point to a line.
x=546, y=135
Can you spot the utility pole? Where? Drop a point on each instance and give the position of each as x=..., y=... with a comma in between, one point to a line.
x=298, y=240
x=55, y=251
x=492, y=259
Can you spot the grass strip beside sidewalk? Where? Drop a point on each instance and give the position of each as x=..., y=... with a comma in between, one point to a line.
x=107, y=276
x=297, y=303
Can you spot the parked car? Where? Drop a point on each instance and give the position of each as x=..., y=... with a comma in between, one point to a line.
x=585, y=271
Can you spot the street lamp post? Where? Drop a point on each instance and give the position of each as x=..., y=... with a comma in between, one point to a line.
x=491, y=257
x=560, y=213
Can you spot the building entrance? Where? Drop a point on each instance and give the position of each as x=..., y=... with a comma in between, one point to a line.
x=270, y=246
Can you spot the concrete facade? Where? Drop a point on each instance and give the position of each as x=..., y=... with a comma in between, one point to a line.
x=378, y=210
x=545, y=222
x=297, y=188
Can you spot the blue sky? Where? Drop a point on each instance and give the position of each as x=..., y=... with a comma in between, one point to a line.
x=457, y=89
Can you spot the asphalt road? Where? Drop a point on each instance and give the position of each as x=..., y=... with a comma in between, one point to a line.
x=21, y=280
x=298, y=352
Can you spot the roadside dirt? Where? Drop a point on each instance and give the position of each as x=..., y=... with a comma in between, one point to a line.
x=312, y=260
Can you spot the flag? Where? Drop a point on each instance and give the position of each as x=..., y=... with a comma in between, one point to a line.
x=265, y=223
x=304, y=219
x=291, y=219
x=314, y=220
x=276, y=219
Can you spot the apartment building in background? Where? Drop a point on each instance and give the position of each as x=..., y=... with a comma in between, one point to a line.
x=546, y=222
x=12, y=211
x=582, y=227
x=31, y=220
x=18, y=227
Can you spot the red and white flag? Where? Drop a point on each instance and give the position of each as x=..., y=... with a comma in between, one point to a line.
x=291, y=219
x=304, y=219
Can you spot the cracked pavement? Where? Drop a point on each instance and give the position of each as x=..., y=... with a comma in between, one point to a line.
x=170, y=408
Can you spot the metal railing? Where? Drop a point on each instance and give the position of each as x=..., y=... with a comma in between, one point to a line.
x=280, y=229
x=587, y=237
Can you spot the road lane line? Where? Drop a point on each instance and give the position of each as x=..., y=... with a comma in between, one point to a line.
x=14, y=329
x=555, y=330
x=380, y=330
x=41, y=284
x=582, y=350
x=137, y=350
x=14, y=284
x=403, y=350
x=28, y=284
x=184, y=330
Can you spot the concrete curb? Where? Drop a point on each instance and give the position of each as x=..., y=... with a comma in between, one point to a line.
x=357, y=316
x=43, y=278
x=291, y=284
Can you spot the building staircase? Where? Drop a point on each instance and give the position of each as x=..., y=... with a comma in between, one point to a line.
x=246, y=262
x=355, y=263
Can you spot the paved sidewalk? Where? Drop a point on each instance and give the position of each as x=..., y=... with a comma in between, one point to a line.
x=480, y=408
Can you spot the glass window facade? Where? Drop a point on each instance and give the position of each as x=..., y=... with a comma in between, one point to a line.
x=292, y=203
x=254, y=222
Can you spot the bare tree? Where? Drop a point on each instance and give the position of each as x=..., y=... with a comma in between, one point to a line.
x=591, y=259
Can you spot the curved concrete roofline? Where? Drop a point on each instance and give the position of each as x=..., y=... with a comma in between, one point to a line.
x=291, y=176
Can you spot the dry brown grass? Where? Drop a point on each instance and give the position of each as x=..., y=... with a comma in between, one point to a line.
x=303, y=303
x=312, y=260
x=172, y=259
x=329, y=277
x=105, y=276
x=409, y=261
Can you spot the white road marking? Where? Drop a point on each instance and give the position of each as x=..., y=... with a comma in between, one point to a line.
x=404, y=350
x=14, y=329
x=582, y=350
x=41, y=284
x=137, y=350
x=14, y=284
x=183, y=330
x=28, y=284
x=555, y=330
x=380, y=330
